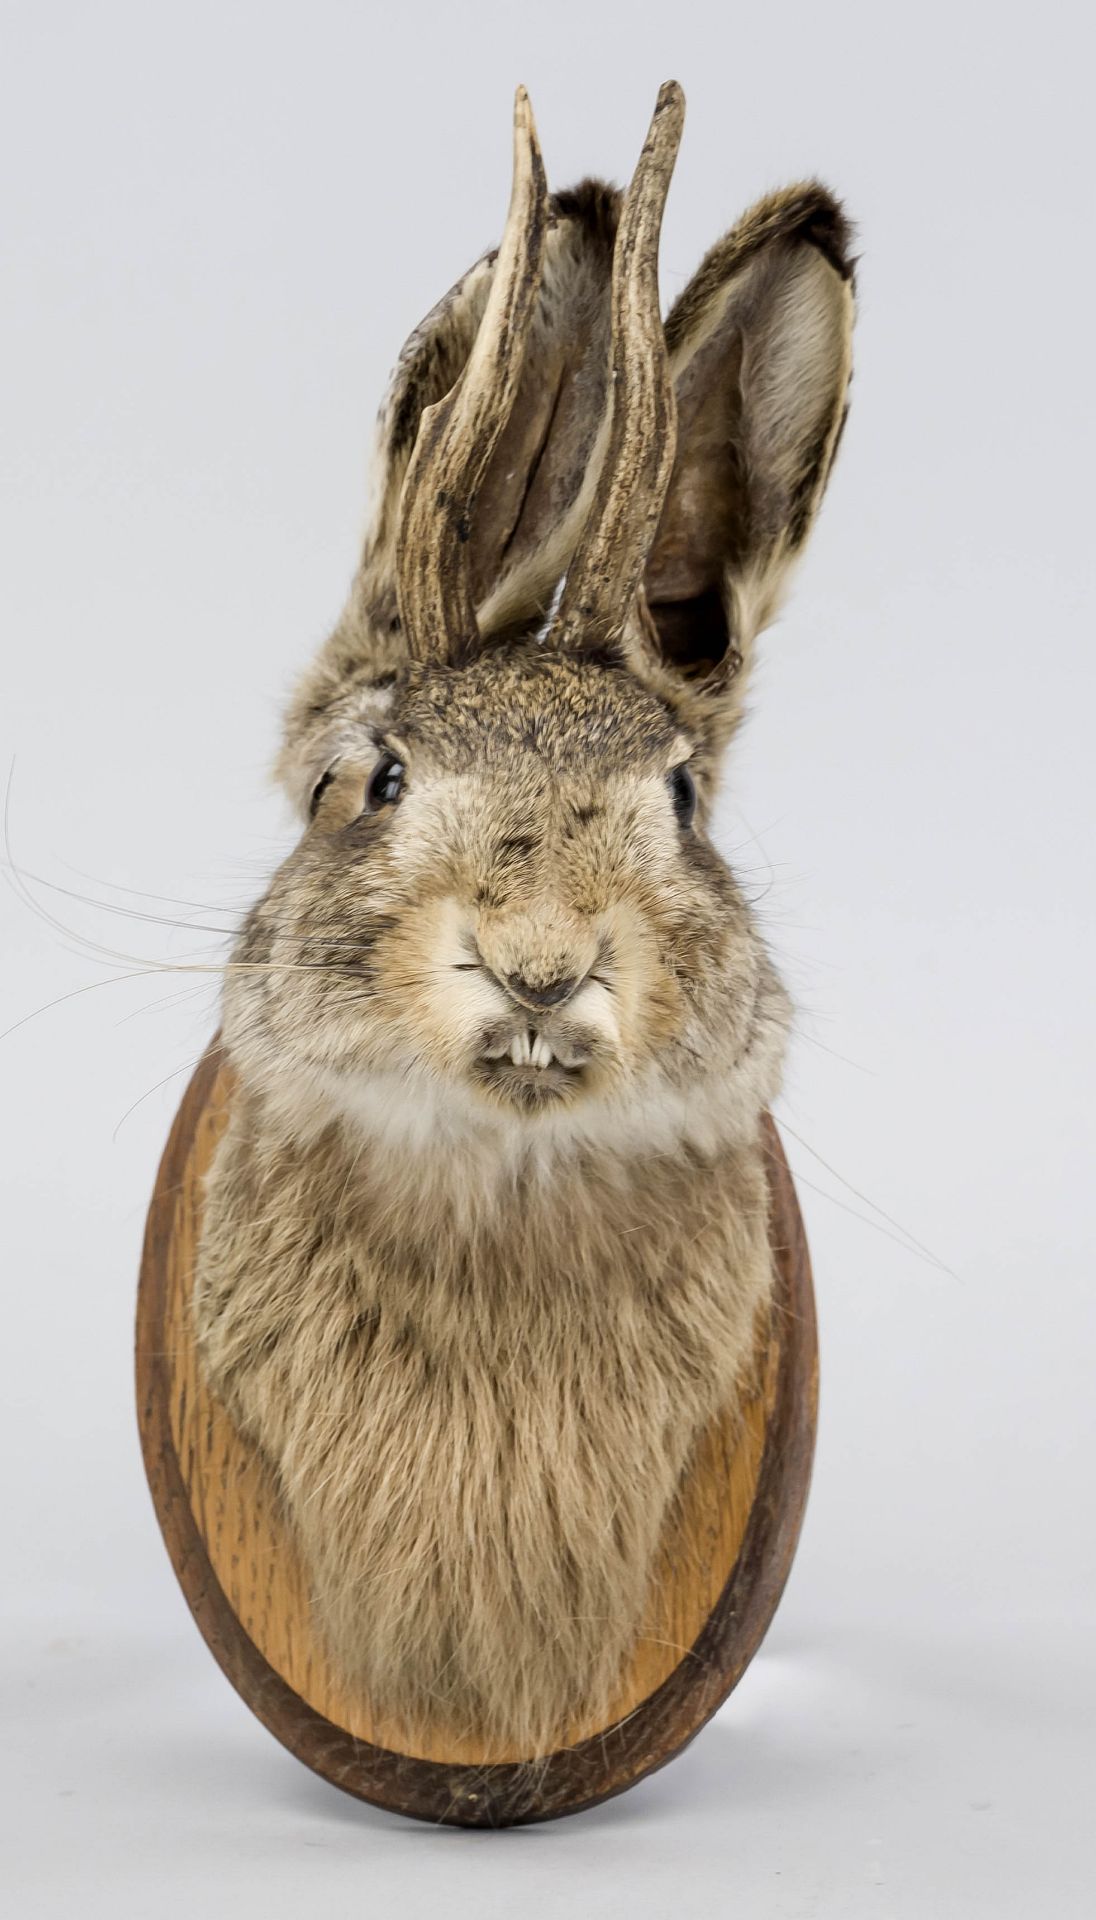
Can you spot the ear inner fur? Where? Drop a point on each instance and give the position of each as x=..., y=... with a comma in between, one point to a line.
x=760, y=353
x=536, y=493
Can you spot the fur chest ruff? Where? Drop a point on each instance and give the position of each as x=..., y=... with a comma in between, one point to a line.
x=479, y=1426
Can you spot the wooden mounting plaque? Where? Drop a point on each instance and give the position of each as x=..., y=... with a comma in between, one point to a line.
x=722, y=1569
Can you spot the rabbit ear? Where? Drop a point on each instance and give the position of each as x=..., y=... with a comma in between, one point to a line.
x=760, y=354
x=528, y=503
x=531, y=500
x=535, y=494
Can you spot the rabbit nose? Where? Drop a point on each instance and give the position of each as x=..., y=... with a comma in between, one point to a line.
x=539, y=957
x=550, y=995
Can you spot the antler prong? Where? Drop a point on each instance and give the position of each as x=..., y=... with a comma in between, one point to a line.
x=640, y=444
x=457, y=436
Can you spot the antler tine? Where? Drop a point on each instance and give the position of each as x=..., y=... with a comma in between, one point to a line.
x=639, y=455
x=458, y=434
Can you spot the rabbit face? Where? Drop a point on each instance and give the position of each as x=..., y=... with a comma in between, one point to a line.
x=507, y=905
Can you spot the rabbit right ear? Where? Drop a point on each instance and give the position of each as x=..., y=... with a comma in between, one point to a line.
x=531, y=499
x=530, y=502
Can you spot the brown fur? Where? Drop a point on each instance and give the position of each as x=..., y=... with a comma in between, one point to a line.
x=475, y=1304
x=480, y=1424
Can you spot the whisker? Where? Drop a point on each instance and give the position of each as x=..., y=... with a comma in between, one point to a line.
x=914, y=1243
x=866, y=1220
x=125, y=913
x=165, y=920
x=165, y=966
x=188, y=1066
x=89, y=986
x=846, y=1060
x=141, y=893
x=163, y=1000
x=97, y=950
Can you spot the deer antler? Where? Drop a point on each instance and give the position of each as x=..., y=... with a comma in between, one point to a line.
x=458, y=434
x=639, y=455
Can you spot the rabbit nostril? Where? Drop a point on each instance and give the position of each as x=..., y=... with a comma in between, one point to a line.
x=549, y=996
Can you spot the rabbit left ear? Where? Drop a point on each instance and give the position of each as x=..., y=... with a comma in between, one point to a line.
x=760, y=353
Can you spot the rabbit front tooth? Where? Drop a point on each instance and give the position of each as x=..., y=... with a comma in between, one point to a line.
x=520, y=1051
x=542, y=1053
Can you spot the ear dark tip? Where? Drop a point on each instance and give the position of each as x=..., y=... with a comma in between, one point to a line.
x=806, y=214
x=817, y=216
x=594, y=206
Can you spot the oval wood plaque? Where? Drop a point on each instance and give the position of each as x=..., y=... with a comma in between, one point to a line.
x=723, y=1564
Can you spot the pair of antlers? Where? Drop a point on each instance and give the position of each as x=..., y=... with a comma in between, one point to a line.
x=458, y=435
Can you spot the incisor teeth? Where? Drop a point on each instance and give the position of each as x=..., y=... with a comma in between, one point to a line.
x=542, y=1053
x=519, y=1049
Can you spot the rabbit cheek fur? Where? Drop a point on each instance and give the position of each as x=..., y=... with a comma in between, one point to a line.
x=477, y=1326
x=485, y=1241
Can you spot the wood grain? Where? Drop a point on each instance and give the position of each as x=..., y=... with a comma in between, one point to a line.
x=723, y=1563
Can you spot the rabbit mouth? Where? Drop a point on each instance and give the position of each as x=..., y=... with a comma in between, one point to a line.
x=531, y=1067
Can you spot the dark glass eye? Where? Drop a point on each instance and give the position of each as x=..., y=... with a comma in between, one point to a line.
x=385, y=785
x=683, y=794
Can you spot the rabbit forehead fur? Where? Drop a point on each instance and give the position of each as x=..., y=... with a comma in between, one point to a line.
x=536, y=840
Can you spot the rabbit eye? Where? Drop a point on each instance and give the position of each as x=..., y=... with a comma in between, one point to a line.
x=385, y=784
x=683, y=794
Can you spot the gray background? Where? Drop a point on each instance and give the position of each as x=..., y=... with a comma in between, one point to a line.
x=220, y=222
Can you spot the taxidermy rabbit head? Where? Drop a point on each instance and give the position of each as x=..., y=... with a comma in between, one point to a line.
x=505, y=919
x=485, y=1244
